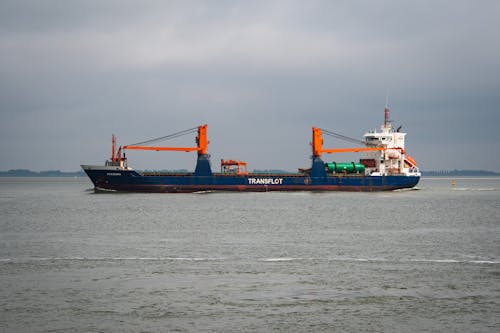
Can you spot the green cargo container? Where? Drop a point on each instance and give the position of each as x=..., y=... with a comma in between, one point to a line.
x=345, y=167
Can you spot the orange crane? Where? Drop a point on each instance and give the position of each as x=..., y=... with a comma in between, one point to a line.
x=201, y=140
x=317, y=146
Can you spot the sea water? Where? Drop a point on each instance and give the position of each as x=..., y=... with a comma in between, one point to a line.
x=421, y=260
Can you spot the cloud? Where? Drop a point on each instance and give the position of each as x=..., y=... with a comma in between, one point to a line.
x=259, y=72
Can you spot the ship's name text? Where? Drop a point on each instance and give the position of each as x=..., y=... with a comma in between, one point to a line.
x=265, y=181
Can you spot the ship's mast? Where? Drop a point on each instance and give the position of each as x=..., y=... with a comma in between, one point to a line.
x=113, y=148
x=386, y=111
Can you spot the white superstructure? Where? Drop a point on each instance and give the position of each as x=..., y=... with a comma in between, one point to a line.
x=393, y=159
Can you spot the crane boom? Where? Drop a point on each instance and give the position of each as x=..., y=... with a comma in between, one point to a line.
x=186, y=149
x=317, y=146
x=352, y=150
x=202, y=144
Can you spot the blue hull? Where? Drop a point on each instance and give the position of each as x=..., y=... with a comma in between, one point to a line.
x=132, y=181
x=202, y=179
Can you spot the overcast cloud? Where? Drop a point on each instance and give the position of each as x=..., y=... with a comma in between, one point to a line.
x=260, y=73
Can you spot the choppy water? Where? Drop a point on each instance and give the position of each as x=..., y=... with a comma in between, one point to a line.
x=424, y=260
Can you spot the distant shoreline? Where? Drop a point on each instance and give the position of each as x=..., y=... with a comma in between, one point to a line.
x=48, y=173
x=459, y=173
x=58, y=173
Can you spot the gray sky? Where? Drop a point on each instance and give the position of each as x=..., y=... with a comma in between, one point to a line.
x=260, y=73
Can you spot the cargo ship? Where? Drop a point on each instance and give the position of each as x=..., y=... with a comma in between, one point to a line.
x=385, y=166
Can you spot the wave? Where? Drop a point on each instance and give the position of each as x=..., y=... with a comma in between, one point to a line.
x=15, y=260
x=475, y=189
x=284, y=259
x=375, y=260
x=270, y=260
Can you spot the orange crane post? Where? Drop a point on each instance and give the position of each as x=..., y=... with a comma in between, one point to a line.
x=202, y=140
x=317, y=142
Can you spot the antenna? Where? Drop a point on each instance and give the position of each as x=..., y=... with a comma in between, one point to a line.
x=386, y=109
x=113, y=148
